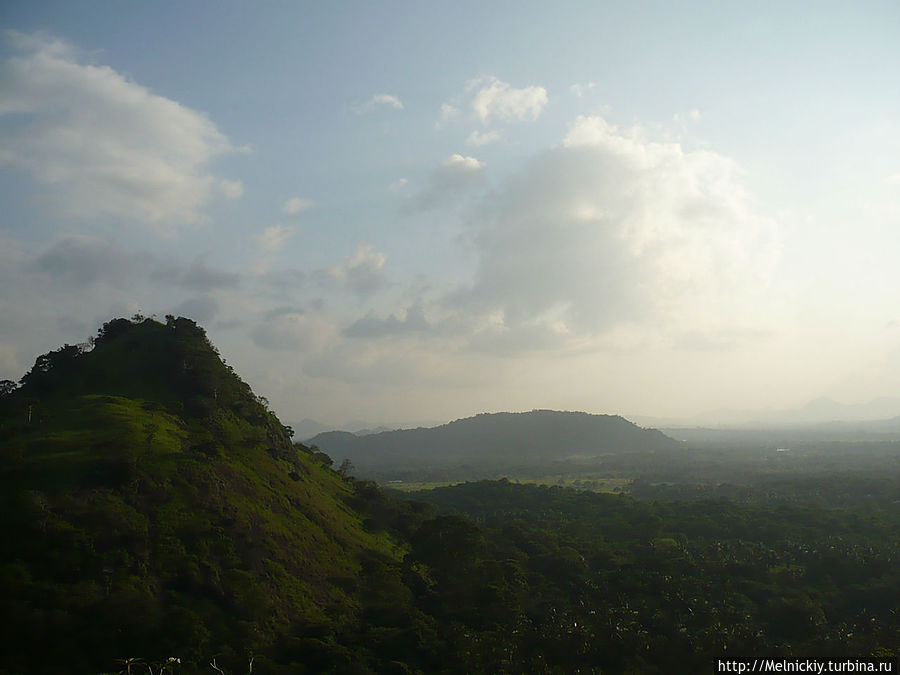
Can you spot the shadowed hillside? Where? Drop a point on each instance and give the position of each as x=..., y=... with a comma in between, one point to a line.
x=150, y=501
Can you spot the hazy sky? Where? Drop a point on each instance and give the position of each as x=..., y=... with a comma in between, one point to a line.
x=404, y=211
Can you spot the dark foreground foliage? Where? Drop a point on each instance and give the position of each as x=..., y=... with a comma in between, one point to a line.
x=623, y=585
x=153, y=507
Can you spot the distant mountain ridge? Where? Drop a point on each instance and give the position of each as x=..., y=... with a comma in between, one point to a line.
x=308, y=428
x=820, y=411
x=547, y=435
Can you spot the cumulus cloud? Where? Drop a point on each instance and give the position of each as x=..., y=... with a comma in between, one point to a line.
x=297, y=205
x=378, y=101
x=108, y=146
x=454, y=175
x=457, y=173
x=274, y=238
x=457, y=166
x=477, y=139
x=494, y=99
x=610, y=229
x=363, y=272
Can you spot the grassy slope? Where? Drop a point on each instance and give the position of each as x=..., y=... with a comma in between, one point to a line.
x=183, y=521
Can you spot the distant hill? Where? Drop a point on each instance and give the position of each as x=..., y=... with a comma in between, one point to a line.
x=496, y=438
x=307, y=428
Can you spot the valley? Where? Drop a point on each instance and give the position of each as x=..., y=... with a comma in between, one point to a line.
x=155, y=506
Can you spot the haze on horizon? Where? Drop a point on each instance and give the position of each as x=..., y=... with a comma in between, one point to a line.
x=422, y=212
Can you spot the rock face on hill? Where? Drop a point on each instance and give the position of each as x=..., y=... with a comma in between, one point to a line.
x=539, y=435
x=150, y=501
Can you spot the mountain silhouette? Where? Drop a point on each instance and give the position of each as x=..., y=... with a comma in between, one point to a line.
x=536, y=436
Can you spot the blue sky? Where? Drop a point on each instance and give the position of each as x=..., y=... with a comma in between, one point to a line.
x=420, y=211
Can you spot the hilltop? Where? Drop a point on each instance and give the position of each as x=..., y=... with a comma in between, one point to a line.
x=150, y=501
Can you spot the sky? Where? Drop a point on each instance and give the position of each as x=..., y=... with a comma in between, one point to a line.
x=404, y=212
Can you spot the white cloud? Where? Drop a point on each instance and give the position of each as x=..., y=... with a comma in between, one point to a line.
x=363, y=272
x=695, y=114
x=457, y=164
x=593, y=130
x=454, y=175
x=377, y=101
x=610, y=230
x=457, y=173
x=580, y=90
x=297, y=205
x=108, y=146
x=389, y=100
x=477, y=139
x=497, y=99
x=274, y=238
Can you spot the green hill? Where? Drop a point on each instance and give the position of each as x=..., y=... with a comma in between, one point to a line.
x=498, y=442
x=151, y=506
x=150, y=501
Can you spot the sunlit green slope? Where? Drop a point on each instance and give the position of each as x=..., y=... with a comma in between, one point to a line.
x=148, y=500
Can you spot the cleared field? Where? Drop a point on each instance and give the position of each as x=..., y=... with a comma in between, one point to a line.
x=576, y=481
